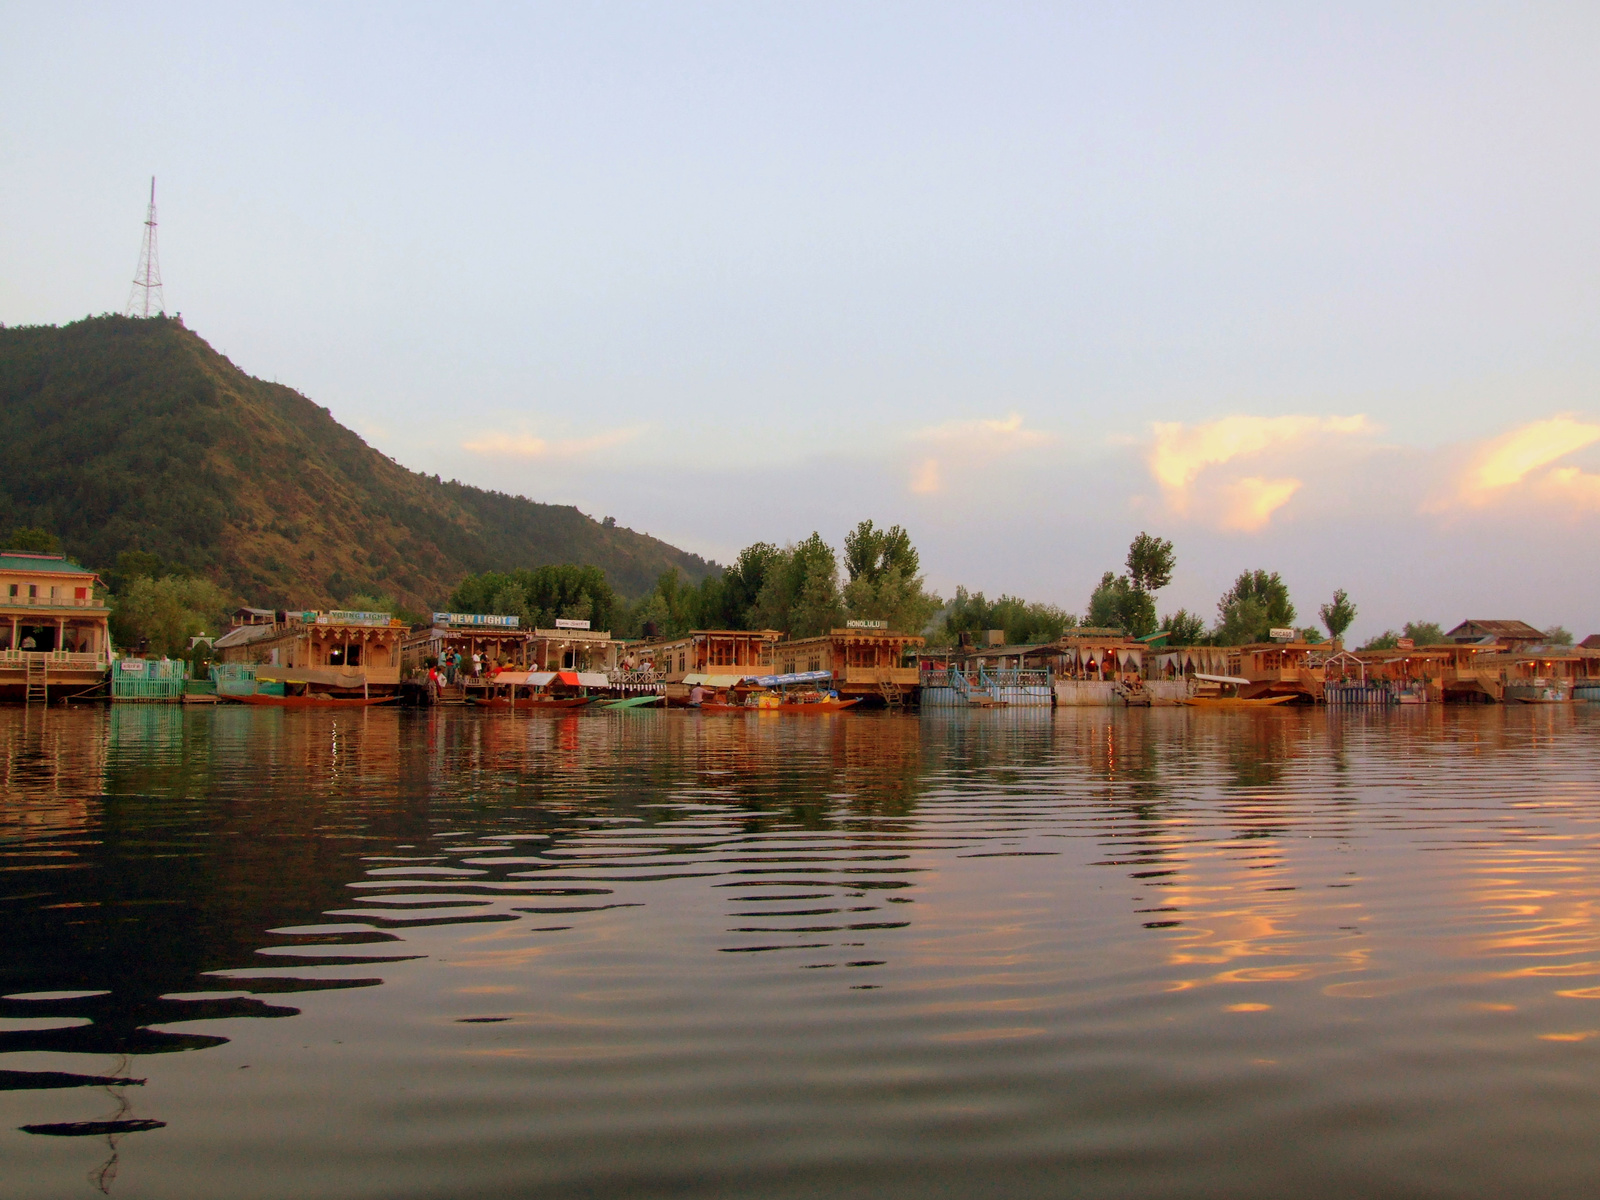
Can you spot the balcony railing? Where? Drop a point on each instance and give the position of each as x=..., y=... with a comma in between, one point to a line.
x=50, y=602
x=17, y=660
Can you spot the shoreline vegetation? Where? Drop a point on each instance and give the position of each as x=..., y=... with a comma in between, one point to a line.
x=801, y=590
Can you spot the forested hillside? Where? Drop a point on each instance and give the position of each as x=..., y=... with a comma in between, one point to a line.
x=124, y=434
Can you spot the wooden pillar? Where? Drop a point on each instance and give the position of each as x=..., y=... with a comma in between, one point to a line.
x=15, y=645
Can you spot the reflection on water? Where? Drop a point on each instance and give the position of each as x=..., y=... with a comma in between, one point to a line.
x=1087, y=952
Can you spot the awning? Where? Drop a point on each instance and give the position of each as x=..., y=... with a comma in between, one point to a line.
x=512, y=677
x=1222, y=679
x=724, y=681
x=539, y=678
x=570, y=678
x=796, y=677
x=691, y=680
x=593, y=679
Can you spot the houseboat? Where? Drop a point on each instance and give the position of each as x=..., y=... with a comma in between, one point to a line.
x=717, y=659
x=1097, y=667
x=1280, y=668
x=866, y=659
x=341, y=655
x=55, y=638
x=495, y=639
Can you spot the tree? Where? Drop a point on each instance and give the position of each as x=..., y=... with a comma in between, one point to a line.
x=1425, y=633
x=1150, y=563
x=1338, y=615
x=166, y=612
x=1387, y=640
x=1257, y=603
x=800, y=594
x=39, y=541
x=1022, y=622
x=1184, y=628
x=884, y=583
x=1118, y=604
x=1557, y=635
x=541, y=594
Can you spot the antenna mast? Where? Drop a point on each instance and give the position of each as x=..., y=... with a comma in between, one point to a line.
x=146, y=297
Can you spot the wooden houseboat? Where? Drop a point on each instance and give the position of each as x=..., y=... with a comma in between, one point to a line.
x=1288, y=668
x=708, y=658
x=339, y=654
x=1508, y=635
x=866, y=662
x=495, y=639
x=1097, y=667
x=55, y=638
x=1538, y=674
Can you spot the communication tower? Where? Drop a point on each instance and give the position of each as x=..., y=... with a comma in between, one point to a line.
x=146, y=297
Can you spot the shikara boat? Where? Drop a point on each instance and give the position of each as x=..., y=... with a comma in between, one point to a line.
x=1235, y=701
x=313, y=700
x=1228, y=694
x=832, y=704
x=530, y=690
x=633, y=702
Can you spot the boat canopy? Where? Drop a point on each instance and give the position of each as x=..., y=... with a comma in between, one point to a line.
x=770, y=681
x=512, y=677
x=593, y=679
x=1233, y=679
x=539, y=678
x=714, y=681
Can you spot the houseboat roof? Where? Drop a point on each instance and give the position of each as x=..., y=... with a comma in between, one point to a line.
x=41, y=564
x=1474, y=629
x=244, y=635
x=1592, y=642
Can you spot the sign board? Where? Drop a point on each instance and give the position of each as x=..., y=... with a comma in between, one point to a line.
x=866, y=624
x=477, y=619
x=563, y=623
x=346, y=617
x=1281, y=635
x=1405, y=643
x=131, y=666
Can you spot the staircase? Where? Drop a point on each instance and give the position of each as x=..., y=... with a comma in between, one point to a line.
x=451, y=693
x=977, y=696
x=894, y=696
x=1133, y=694
x=36, y=679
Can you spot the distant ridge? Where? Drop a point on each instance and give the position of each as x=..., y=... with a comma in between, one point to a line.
x=119, y=434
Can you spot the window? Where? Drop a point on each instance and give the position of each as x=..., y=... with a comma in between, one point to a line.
x=33, y=591
x=722, y=653
x=13, y=589
x=681, y=666
x=816, y=663
x=80, y=593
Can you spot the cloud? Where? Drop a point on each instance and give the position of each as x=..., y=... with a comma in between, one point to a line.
x=1248, y=504
x=1185, y=461
x=1512, y=466
x=974, y=443
x=526, y=445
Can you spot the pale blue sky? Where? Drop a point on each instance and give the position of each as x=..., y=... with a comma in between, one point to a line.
x=739, y=271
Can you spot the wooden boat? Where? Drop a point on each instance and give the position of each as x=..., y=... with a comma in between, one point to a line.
x=812, y=706
x=314, y=700
x=531, y=702
x=633, y=702
x=1235, y=701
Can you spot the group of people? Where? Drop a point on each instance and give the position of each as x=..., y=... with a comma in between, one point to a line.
x=451, y=667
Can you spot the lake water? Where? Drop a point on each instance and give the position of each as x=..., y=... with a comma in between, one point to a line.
x=1089, y=953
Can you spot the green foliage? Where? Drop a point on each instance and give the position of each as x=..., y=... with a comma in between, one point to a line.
x=1150, y=563
x=1425, y=633
x=1257, y=603
x=1118, y=604
x=800, y=595
x=1184, y=628
x=382, y=602
x=1387, y=640
x=136, y=434
x=1309, y=633
x=167, y=612
x=884, y=583
x=1024, y=623
x=1338, y=613
x=1556, y=635
x=539, y=595
x=39, y=541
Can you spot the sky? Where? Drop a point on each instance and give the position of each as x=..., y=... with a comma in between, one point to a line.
x=1306, y=288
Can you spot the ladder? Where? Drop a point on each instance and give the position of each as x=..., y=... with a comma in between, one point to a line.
x=36, y=679
x=893, y=696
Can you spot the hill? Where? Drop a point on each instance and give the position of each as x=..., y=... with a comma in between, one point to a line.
x=127, y=434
